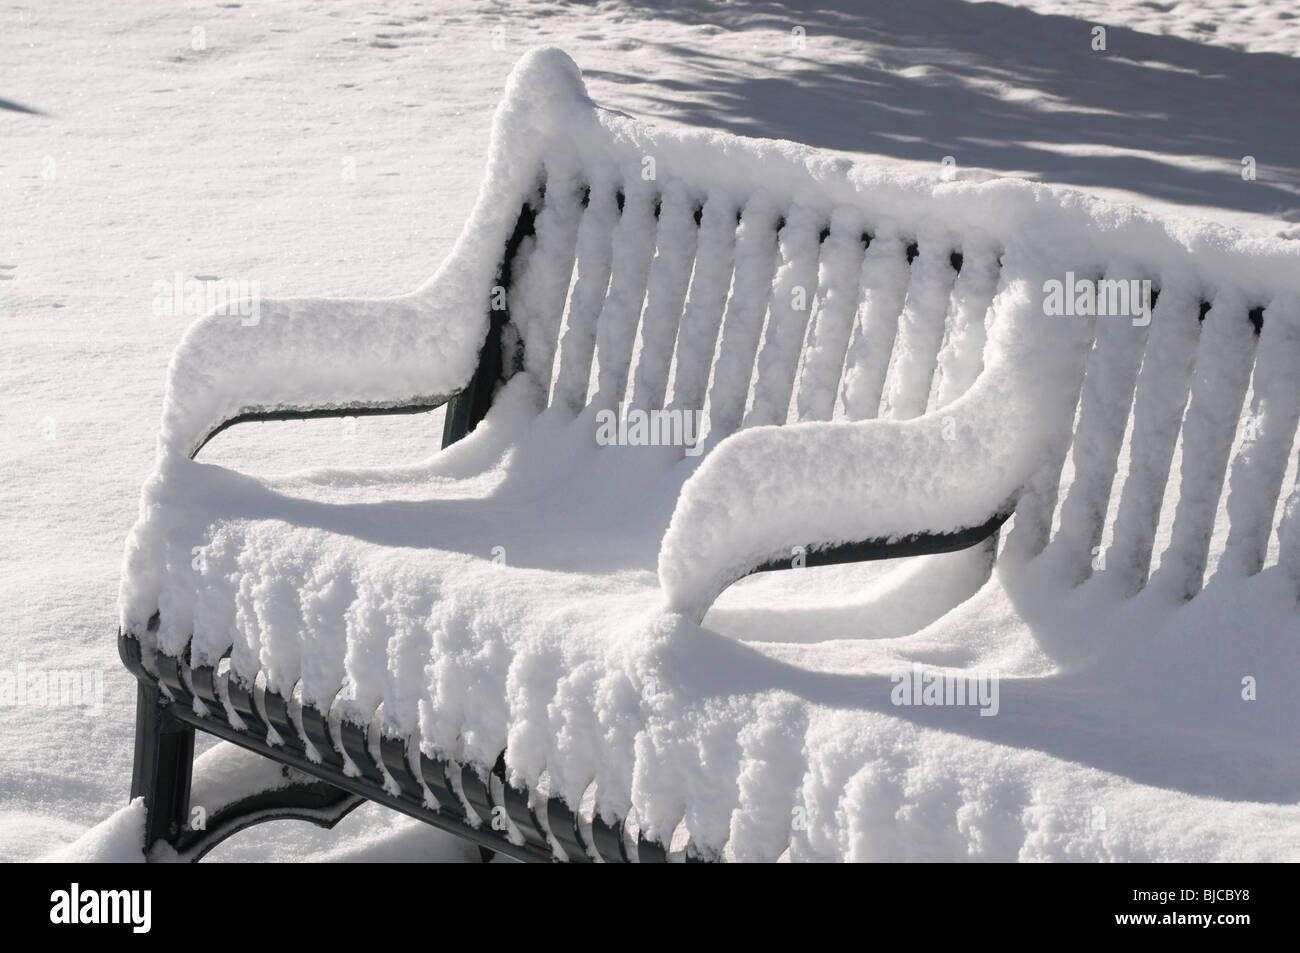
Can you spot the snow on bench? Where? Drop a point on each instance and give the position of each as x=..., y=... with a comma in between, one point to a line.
x=523, y=620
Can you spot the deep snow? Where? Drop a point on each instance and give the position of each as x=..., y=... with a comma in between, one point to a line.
x=338, y=153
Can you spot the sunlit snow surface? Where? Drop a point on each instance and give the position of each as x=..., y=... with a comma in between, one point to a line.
x=337, y=151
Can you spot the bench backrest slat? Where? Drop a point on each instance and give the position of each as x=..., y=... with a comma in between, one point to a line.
x=543, y=289
x=1288, y=534
x=1256, y=480
x=1032, y=524
x=1159, y=399
x=1110, y=375
x=961, y=357
x=742, y=323
x=794, y=289
x=634, y=246
x=1224, y=357
x=920, y=334
x=839, y=283
x=705, y=303
x=577, y=345
x=670, y=278
x=885, y=276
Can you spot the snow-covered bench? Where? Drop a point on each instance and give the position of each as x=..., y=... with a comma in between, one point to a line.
x=506, y=642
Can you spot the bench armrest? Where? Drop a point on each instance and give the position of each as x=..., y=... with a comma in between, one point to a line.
x=341, y=356
x=763, y=492
x=315, y=357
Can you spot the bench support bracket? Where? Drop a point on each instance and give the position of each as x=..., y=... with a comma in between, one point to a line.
x=164, y=759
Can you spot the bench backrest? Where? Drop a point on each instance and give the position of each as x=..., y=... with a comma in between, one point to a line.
x=747, y=306
x=1182, y=456
x=761, y=282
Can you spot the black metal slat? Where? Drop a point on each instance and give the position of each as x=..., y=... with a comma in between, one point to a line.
x=650, y=852
x=564, y=828
x=242, y=701
x=169, y=674
x=204, y=680
x=515, y=802
x=356, y=743
x=277, y=713
x=392, y=751
x=316, y=725
x=451, y=816
x=478, y=794
x=437, y=780
x=608, y=840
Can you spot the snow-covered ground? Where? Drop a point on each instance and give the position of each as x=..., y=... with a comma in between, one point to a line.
x=336, y=149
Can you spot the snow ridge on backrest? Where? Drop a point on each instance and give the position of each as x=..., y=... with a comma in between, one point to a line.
x=764, y=282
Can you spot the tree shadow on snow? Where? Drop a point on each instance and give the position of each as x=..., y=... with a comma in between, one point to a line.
x=11, y=106
x=999, y=87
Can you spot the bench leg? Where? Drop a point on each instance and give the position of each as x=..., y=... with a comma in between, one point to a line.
x=164, y=760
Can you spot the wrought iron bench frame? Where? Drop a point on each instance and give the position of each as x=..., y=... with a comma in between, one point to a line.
x=321, y=792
